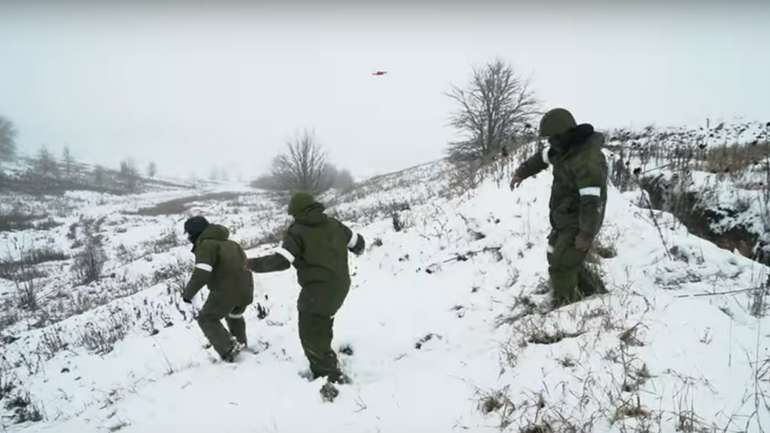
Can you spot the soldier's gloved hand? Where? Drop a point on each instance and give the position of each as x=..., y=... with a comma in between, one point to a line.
x=360, y=246
x=583, y=241
x=515, y=182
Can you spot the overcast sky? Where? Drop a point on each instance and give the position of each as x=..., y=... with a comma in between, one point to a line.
x=191, y=87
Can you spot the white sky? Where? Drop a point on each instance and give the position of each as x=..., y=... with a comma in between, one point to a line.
x=192, y=87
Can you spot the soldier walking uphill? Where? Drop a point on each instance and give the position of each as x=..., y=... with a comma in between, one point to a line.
x=220, y=264
x=317, y=246
x=578, y=198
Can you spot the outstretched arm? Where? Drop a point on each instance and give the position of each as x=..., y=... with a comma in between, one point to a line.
x=532, y=166
x=280, y=260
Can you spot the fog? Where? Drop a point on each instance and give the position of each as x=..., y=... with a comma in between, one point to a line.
x=192, y=87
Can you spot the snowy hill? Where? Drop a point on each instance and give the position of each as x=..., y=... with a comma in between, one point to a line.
x=715, y=180
x=442, y=329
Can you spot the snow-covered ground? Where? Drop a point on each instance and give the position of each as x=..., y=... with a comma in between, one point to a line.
x=718, y=177
x=442, y=328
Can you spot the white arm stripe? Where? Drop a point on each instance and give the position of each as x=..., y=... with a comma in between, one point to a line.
x=545, y=155
x=204, y=267
x=591, y=190
x=286, y=254
x=353, y=240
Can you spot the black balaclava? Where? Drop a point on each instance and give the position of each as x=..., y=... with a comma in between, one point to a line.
x=194, y=227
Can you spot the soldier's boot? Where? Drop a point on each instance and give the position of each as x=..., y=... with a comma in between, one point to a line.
x=329, y=392
x=237, y=325
x=590, y=282
x=564, y=264
x=216, y=333
x=564, y=283
x=315, y=333
x=235, y=349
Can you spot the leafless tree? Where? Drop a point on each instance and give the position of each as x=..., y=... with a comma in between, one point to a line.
x=44, y=164
x=152, y=169
x=495, y=108
x=302, y=167
x=7, y=139
x=340, y=179
x=129, y=174
x=68, y=160
x=99, y=174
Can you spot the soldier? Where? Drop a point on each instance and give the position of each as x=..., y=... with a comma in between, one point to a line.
x=578, y=197
x=317, y=246
x=220, y=264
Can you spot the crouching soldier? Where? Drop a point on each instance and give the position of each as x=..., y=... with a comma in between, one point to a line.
x=578, y=197
x=220, y=264
x=317, y=246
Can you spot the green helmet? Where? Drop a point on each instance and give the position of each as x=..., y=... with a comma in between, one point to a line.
x=555, y=122
x=299, y=202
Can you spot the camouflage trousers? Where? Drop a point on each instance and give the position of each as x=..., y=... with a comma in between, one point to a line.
x=210, y=321
x=566, y=268
x=315, y=334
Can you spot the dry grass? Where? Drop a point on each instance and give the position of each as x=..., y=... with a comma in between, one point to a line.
x=180, y=205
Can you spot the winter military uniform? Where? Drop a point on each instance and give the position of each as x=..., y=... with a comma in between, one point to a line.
x=317, y=246
x=578, y=198
x=220, y=264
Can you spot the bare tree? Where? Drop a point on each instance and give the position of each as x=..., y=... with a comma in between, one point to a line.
x=495, y=108
x=129, y=174
x=333, y=177
x=44, y=164
x=68, y=160
x=302, y=167
x=99, y=174
x=7, y=139
x=152, y=169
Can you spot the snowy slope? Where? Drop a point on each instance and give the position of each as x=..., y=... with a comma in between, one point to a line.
x=445, y=334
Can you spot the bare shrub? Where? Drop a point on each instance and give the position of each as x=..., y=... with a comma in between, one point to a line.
x=26, y=295
x=8, y=317
x=101, y=339
x=129, y=175
x=758, y=307
x=736, y=157
x=24, y=268
x=90, y=261
x=272, y=236
x=15, y=220
x=168, y=239
x=44, y=165
x=24, y=410
x=7, y=382
x=7, y=139
x=51, y=343
x=498, y=402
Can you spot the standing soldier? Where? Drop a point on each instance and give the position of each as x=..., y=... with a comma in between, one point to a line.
x=220, y=264
x=578, y=197
x=317, y=246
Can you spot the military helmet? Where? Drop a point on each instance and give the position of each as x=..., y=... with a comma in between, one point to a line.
x=556, y=121
x=299, y=202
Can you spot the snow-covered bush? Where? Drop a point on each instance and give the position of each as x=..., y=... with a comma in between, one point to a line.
x=90, y=261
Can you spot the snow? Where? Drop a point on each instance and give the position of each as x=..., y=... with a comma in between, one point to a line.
x=438, y=285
